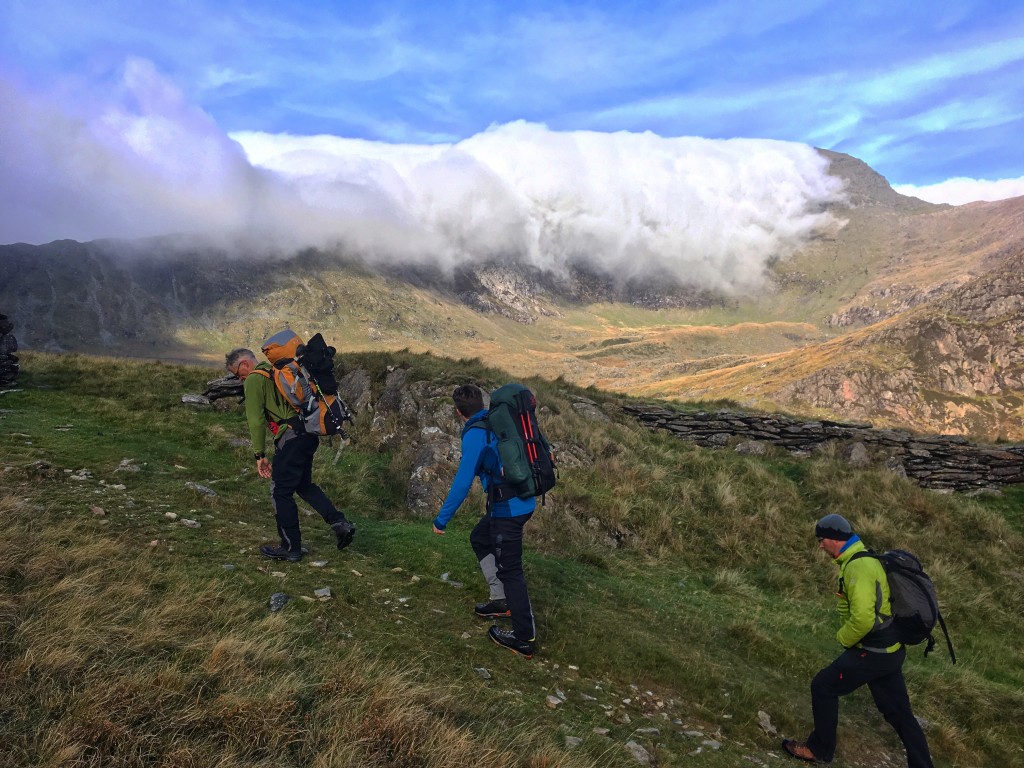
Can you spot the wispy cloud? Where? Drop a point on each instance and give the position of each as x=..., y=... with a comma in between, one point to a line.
x=709, y=213
x=961, y=191
x=922, y=92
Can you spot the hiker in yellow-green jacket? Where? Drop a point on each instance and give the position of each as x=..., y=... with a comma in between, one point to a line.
x=266, y=409
x=873, y=656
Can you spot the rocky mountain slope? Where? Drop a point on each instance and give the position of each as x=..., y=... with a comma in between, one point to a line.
x=952, y=365
x=870, y=320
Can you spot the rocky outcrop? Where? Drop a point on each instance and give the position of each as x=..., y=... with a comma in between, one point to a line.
x=9, y=367
x=938, y=462
x=417, y=421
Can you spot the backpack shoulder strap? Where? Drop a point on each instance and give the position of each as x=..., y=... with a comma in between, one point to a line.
x=261, y=372
x=854, y=556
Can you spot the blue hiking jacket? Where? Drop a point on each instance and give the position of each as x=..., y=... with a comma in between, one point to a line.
x=479, y=459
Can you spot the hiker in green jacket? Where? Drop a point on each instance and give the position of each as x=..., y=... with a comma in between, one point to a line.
x=873, y=656
x=292, y=470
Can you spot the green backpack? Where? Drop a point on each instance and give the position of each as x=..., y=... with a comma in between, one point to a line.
x=527, y=463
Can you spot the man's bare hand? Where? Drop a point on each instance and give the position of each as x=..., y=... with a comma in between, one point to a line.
x=263, y=467
x=438, y=531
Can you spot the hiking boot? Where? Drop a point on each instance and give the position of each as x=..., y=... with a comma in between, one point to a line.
x=801, y=751
x=281, y=553
x=506, y=639
x=495, y=609
x=344, y=530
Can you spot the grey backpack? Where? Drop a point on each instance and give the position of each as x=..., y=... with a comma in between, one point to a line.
x=915, y=603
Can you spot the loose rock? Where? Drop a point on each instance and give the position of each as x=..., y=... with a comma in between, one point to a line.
x=200, y=489
x=638, y=752
x=278, y=600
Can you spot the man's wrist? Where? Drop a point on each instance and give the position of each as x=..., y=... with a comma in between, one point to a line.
x=260, y=455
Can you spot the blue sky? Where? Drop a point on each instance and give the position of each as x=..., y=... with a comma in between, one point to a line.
x=923, y=92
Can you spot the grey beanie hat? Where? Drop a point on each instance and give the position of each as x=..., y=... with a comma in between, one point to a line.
x=833, y=527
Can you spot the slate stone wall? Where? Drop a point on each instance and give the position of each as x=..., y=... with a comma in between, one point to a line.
x=940, y=461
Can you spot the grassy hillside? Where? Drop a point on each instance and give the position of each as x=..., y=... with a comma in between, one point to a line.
x=675, y=588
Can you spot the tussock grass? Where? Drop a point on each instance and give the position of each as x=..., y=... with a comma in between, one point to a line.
x=655, y=566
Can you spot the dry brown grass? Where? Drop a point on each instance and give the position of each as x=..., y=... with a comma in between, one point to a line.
x=111, y=658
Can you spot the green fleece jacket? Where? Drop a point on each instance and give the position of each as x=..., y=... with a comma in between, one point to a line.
x=863, y=597
x=263, y=404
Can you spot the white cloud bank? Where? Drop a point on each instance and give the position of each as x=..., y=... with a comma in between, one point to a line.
x=710, y=213
x=963, y=190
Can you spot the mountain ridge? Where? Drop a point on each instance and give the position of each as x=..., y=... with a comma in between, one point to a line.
x=885, y=257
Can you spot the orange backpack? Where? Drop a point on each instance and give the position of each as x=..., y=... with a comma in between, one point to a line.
x=314, y=398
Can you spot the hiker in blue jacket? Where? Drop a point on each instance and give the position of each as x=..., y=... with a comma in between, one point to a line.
x=497, y=539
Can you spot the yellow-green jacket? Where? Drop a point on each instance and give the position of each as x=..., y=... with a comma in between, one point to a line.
x=864, y=609
x=264, y=404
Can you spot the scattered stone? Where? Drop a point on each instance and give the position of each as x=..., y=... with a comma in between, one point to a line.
x=993, y=492
x=895, y=465
x=712, y=744
x=638, y=752
x=200, y=489
x=278, y=600
x=652, y=732
x=98, y=511
x=118, y=487
x=226, y=386
x=191, y=523
x=765, y=722
x=602, y=731
x=357, y=573
x=278, y=574
x=553, y=702
x=154, y=543
x=324, y=593
x=228, y=567
x=571, y=742
x=319, y=563
x=170, y=515
x=590, y=411
x=856, y=455
x=466, y=636
x=751, y=448
x=482, y=672
x=195, y=400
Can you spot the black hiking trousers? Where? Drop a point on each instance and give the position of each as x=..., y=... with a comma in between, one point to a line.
x=503, y=538
x=883, y=674
x=293, y=473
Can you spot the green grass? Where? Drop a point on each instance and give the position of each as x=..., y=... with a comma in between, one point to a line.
x=674, y=587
